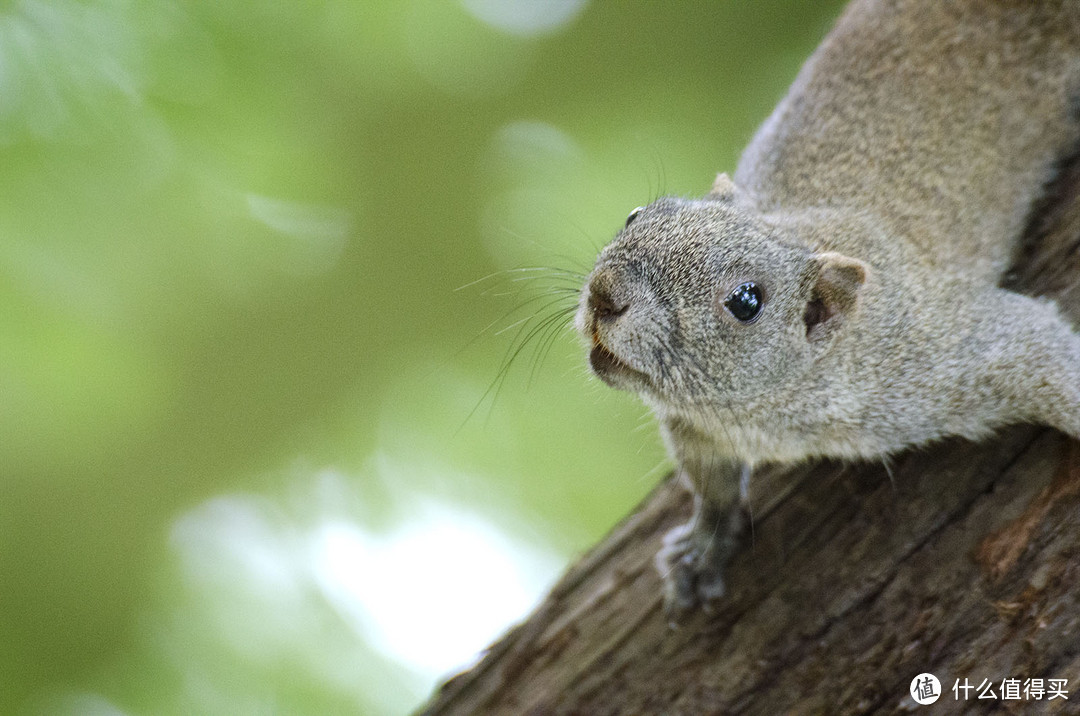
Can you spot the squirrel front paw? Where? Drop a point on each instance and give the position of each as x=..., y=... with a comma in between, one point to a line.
x=693, y=558
x=690, y=577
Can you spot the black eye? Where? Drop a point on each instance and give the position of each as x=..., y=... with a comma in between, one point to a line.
x=633, y=215
x=745, y=302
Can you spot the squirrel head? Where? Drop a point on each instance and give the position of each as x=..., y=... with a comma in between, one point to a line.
x=705, y=307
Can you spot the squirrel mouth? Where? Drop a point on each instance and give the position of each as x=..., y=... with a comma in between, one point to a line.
x=610, y=368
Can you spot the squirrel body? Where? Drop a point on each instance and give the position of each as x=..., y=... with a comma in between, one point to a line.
x=839, y=298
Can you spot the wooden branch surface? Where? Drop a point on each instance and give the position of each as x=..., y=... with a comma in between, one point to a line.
x=960, y=559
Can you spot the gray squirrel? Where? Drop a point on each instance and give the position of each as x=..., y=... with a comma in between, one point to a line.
x=839, y=297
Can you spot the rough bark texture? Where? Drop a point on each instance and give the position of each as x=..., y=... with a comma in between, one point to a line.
x=960, y=559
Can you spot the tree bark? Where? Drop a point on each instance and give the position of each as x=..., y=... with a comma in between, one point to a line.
x=959, y=559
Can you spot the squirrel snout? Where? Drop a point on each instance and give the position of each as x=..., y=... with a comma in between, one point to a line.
x=605, y=308
x=607, y=318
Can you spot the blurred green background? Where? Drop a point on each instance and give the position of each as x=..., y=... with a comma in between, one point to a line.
x=257, y=288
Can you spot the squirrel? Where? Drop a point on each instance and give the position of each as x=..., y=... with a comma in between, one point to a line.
x=839, y=296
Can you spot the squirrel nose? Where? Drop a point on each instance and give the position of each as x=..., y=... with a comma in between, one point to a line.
x=603, y=304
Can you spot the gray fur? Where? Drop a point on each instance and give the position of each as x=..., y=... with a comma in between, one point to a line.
x=877, y=208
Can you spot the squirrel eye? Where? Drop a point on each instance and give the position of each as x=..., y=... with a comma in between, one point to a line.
x=633, y=215
x=745, y=302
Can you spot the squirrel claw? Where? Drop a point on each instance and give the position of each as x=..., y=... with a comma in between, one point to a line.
x=693, y=577
x=692, y=561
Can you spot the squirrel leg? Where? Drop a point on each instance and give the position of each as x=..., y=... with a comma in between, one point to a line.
x=694, y=555
x=1030, y=356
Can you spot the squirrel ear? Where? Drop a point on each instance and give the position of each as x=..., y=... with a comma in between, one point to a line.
x=837, y=282
x=722, y=188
